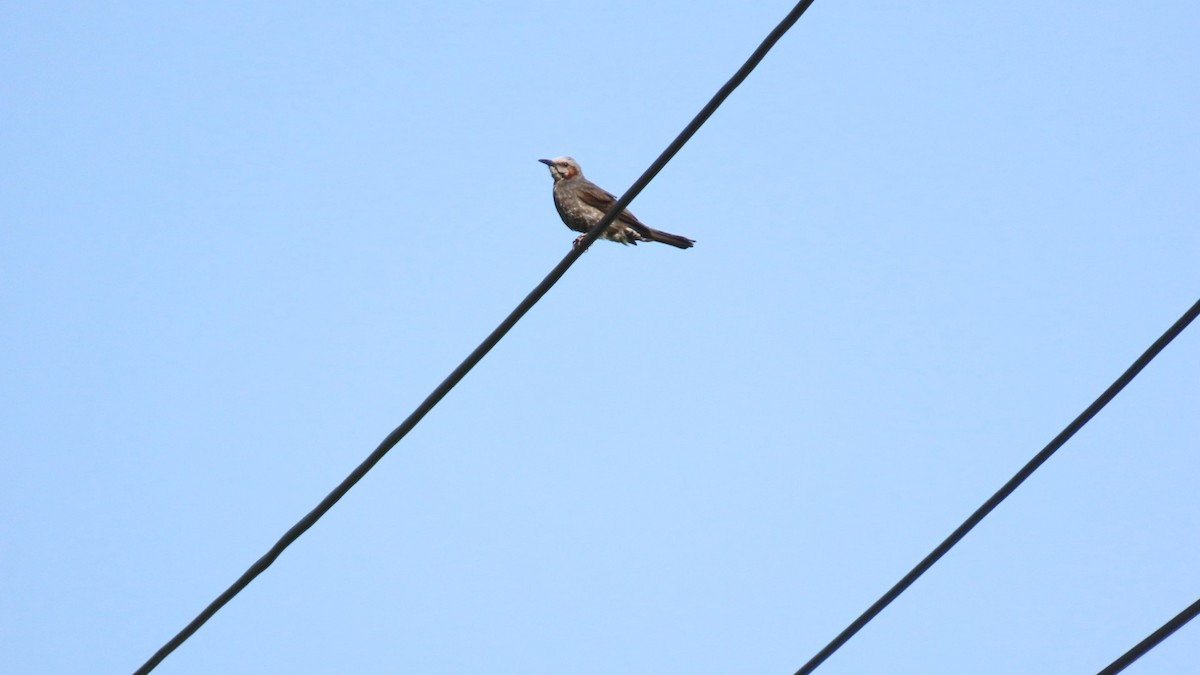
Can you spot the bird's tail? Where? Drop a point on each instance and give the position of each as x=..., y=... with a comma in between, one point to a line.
x=668, y=238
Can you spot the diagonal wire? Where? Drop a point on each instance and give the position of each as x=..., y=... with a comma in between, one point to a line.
x=484, y=347
x=1004, y=491
x=1152, y=640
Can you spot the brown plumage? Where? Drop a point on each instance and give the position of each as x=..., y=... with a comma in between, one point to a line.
x=581, y=204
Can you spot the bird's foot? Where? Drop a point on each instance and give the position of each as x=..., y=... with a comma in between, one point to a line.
x=575, y=244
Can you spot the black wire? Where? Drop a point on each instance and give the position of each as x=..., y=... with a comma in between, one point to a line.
x=1005, y=491
x=484, y=347
x=698, y=121
x=1152, y=640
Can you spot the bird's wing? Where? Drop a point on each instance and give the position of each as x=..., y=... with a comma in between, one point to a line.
x=594, y=195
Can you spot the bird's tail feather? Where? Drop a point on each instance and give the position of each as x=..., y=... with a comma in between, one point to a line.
x=668, y=238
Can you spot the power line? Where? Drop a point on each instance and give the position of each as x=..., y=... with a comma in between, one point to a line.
x=1152, y=640
x=484, y=347
x=1005, y=491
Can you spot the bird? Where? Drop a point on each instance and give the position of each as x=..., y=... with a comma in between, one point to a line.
x=581, y=204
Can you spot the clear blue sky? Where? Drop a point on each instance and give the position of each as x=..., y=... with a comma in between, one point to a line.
x=241, y=241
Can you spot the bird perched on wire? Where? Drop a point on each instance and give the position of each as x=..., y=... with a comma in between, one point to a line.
x=581, y=204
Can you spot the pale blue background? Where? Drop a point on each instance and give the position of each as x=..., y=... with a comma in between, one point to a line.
x=240, y=241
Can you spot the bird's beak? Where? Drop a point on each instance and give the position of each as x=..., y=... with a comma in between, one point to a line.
x=547, y=162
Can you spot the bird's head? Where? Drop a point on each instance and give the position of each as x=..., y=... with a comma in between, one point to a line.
x=562, y=168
